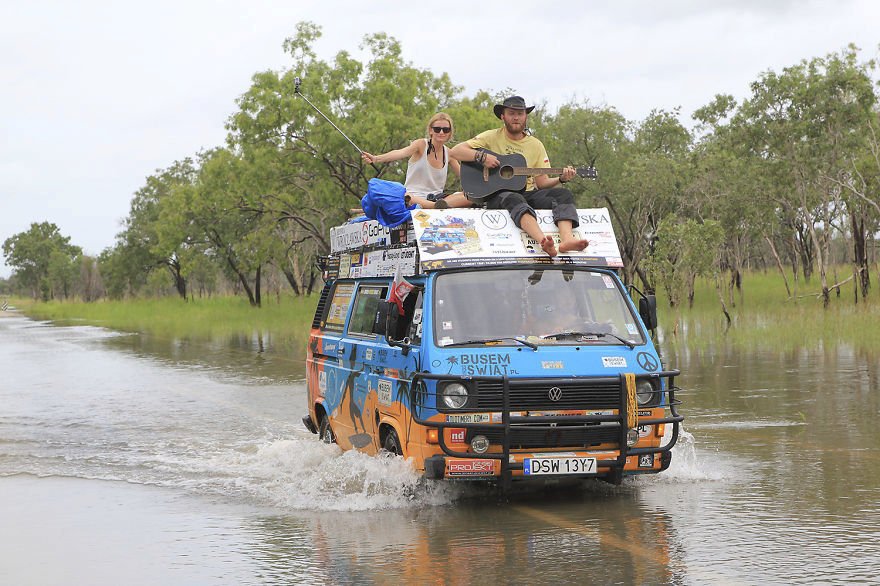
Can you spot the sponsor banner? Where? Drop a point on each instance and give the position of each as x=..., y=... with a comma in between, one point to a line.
x=471, y=237
x=370, y=233
x=470, y=467
x=378, y=263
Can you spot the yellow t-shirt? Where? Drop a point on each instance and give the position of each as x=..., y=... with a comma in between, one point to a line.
x=530, y=147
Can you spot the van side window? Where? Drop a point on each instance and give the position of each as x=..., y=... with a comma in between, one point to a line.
x=338, y=309
x=366, y=304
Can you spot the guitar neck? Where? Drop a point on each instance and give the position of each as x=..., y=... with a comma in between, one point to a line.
x=537, y=171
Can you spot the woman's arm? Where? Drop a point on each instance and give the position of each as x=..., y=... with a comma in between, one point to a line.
x=412, y=151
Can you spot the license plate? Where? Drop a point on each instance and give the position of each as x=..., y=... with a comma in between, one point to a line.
x=538, y=466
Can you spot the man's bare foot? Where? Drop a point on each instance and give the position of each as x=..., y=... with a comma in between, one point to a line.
x=549, y=246
x=572, y=245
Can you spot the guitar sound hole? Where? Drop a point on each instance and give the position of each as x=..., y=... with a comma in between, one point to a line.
x=506, y=171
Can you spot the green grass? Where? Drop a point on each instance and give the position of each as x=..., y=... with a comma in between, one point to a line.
x=288, y=320
x=766, y=318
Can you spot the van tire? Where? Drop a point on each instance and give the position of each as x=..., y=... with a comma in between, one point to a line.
x=392, y=443
x=325, y=432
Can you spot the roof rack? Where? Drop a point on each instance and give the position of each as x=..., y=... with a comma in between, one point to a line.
x=460, y=237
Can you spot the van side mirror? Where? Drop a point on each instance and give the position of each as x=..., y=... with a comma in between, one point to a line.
x=385, y=322
x=648, y=311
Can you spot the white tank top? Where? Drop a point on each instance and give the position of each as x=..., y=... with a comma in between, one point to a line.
x=423, y=179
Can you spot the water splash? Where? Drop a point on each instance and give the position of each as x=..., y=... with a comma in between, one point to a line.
x=305, y=474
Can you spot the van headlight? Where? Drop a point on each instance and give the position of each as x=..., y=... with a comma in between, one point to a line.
x=455, y=395
x=632, y=437
x=644, y=392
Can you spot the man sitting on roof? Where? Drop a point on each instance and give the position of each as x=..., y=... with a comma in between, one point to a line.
x=542, y=192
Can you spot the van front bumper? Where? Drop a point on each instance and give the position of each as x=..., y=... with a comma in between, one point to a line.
x=613, y=459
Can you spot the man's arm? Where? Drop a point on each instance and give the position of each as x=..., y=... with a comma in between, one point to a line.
x=547, y=182
x=466, y=154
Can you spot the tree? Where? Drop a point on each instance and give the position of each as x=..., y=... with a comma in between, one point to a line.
x=138, y=248
x=39, y=255
x=807, y=122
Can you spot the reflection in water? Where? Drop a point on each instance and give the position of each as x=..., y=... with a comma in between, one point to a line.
x=775, y=480
x=476, y=542
x=258, y=355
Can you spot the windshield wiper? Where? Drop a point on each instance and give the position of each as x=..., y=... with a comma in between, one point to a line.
x=531, y=345
x=628, y=344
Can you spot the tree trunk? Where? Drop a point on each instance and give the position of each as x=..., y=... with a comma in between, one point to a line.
x=243, y=281
x=179, y=281
x=257, y=295
x=291, y=279
x=778, y=264
x=860, y=254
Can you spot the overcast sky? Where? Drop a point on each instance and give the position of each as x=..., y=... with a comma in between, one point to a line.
x=97, y=95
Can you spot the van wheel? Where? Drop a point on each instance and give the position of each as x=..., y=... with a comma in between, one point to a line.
x=325, y=432
x=392, y=443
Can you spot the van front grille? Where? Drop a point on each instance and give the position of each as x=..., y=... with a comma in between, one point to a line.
x=603, y=393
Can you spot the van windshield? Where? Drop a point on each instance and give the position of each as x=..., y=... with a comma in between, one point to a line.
x=571, y=306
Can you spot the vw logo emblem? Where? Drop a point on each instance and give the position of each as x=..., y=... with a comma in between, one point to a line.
x=554, y=394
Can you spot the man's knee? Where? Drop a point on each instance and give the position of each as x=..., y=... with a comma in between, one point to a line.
x=562, y=195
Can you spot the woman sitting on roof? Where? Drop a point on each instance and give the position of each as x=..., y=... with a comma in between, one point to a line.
x=427, y=167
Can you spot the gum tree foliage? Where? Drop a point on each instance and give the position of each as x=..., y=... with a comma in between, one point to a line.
x=808, y=123
x=642, y=171
x=727, y=184
x=138, y=250
x=207, y=219
x=44, y=260
x=684, y=250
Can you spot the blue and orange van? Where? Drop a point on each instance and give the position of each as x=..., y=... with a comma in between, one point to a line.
x=500, y=363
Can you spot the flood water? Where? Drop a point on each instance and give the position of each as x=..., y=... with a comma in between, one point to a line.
x=131, y=460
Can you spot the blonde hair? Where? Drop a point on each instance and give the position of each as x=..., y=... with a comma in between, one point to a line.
x=441, y=116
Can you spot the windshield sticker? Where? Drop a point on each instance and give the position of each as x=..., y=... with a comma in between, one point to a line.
x=614, y=362
x=609, y=282
x=447, y=325
x=552, y=364
x=481, y=364
x=384, y=392
x=445, y=340
x=631, y=328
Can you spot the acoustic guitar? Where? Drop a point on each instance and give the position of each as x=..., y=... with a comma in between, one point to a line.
x=479, y=183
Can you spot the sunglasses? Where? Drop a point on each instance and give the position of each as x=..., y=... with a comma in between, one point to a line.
x=441, y=129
